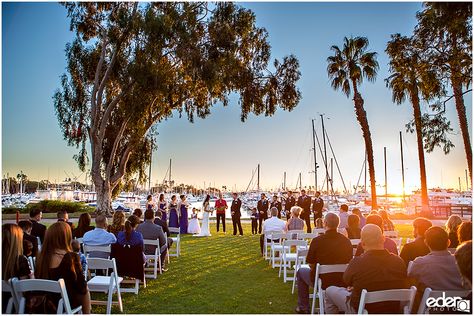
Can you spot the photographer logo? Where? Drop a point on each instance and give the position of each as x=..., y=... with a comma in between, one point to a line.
x=448, y=303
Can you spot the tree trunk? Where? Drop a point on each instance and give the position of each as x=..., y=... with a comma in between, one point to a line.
x=461, y=109
x=421, y=155
x=364, y=124
x=104, y=196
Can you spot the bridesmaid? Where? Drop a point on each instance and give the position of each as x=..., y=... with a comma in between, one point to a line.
x=173, y=207
x=149, y=203
x=183, y=218
x=162, y=207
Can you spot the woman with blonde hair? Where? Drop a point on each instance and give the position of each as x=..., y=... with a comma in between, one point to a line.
x=295, y=222
x=57, y=261
x=118, y=223
x=452, y=226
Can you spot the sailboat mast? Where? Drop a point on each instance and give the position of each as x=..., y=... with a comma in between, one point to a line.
x=325, y=154
x=315, y=163
x=258, y=177
x=300, y=180
x=149, y=169
x=403, y=168
x=385, y=165
x=284, y=181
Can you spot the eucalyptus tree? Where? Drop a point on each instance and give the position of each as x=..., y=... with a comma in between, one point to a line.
x=133, y=65
x=348, y=67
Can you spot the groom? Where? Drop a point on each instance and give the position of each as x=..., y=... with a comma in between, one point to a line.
x=221, y=206
x=235, y=211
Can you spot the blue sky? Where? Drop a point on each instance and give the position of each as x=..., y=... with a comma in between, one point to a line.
x=221, y=149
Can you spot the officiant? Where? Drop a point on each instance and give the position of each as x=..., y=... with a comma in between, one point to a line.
x=235, y=212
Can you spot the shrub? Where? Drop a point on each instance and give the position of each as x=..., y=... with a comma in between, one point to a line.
x=50, y=206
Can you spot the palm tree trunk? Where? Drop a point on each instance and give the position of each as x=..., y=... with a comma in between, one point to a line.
x=364, y=124
x=421, y=154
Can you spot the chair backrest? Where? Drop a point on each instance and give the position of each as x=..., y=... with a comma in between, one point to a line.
x=302, y=253
x=39, y=242
x=32, y=263
x=125, y=266
x=295, y=233
x=6, y=287
x=29, y=285
x=269, y=234
x=402, y=295
x=304, y=235
x=391, y=233
x=152, y=242
x=104, y=264
x=423, y=308
x=101, y=249
x=355, y=242
x=319, y=231
x=292, y=242
x=174, y=230
x=280, y=236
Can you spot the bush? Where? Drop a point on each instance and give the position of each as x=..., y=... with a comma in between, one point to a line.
x=11, y=210
x=50, y=206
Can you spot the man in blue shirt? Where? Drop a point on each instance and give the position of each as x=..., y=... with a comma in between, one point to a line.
x=99, y=236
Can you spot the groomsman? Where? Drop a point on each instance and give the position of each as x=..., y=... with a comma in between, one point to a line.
x=277, y=204
x=317, y=207
x=304, y=202
x=262, y=209
x=289, y=203
x=235, y=212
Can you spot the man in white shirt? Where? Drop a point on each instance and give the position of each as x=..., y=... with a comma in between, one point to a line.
x=343, y=216
x=272, y=224
x=99, y=236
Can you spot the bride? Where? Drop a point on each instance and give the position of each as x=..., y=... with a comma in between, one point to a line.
x=205, y=218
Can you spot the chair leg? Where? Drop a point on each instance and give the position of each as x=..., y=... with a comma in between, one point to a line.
x=294, y=281
x=159, y=266
x=321, y=302
x=119, y=298
x=110, y=295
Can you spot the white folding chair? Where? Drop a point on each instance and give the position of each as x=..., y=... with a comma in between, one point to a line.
x=422, y=309
x=300, y=262
x=12, y=301
x=294, y=234
x=39, y=243
x=22, y=286
x=319, y=231
x=176, y=242
x=288, y=257
x=398, y=241
x=391, y=233
x=154, y=260
x=266, y=237
x=318, y=292
x=105, y=284
x=342, y=231
x=405, y=296
x=307, y=236
x=276, y=246
x=102, y=249
x=355, y=243
x=31, y=263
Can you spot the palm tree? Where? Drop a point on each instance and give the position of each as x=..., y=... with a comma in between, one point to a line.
x=348, y=67
x=410, y=77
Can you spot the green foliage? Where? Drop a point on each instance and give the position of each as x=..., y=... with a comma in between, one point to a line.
x=435, y=130
x=52, y=206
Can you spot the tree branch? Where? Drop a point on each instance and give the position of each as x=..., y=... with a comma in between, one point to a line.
x=94, y=109
x=115, y=147
x=106, y=77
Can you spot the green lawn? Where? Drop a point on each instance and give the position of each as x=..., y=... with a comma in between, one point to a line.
x=222, y=274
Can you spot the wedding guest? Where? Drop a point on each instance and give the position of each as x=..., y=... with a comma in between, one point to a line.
x=353, y=227
x=389, y=244
x=149, y=230
x=118, y=223
x=183, y=215
x=235, y=212
x=76, y=247
x=437, y=269
x=160, y=222
x=193, y=227
x=37, y=230
x=375, y=270
x=272, y=224
x=289, y=203
x=463, y=256
x=57, y=261
x=63, y=216
x=357, y=212
x=221, y=206
x=329, y=248
x=465, y=232
x=130, y=236
x=83, y=226
x=27, y=226
x=254, y=218
x=343, y=215
x=317, y=207
x=173, y=208
x=319, y=223
x=162, y=207
x=418, y=247
x=452, y=228
x=99, y=236
x=277, y=204
x=295, y=222
x=304, y=202
x=262, y=209
x=138, y=213
x=387, y=223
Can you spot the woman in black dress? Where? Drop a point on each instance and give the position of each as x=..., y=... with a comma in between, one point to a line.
x=83, y=226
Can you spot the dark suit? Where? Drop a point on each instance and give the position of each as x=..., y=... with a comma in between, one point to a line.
x=38, y=230
x=305, y=203
x=276, y=204
x=164, y=226
x=317, y=207
x=69, y=223
x=235, y=211
x=289, y=203
x=262, y=209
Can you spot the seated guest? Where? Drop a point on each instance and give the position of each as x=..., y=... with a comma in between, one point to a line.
x=138, y=213
x=463, y=256
x=452, y=228
x=26, y=226
x=375, y=270
x=437, y=269
x=150, y=230
x=329, y=248
x=357, y=212
x=353, y=227
x=295, y=222
x=272, y=224
x=63, y=216
x=118, y=223
x=387, y=223
x=99, y=236
x=418, y=247
x=343, y=215
x=37, y=230
x=56, y=260
x=389, y=244
x=465, y=232
x=130, y=236
x=76, y=247
x=83, y=226
x=160, y=222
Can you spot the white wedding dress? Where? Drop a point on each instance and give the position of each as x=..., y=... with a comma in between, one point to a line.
x=205, y=221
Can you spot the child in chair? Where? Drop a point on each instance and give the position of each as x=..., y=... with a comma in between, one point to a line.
x=76, y=247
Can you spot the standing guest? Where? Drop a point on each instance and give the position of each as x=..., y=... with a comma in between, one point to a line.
x=295, y=222
x=150, y=205
x=118, y=223
x=418, y=247
x=304, y=202
x=262, y=209
x=465, y=232
x=130, y=236
x=272, y=224
x=83, y=226
x=221, y=206
x=437, y=269
x=63, y=216
x=452, y=228
x=463, y=257
x=330, y=248
x=277, y=204
x=138, y=213
x=150, y=230
x=343, y=215
x=99, y=236
x=289, y=203
x=357, y=212
x=389, y=244
x=254, y=218
x=37, y=230
x=387, y=223
x=160, y=222
x=173, y=208
x=317, y=207
x=183, y=214
x=162, y=207
x=57, y=261
x=26, y=226
x=353, y=227
x=235, y=212
x=375, y=270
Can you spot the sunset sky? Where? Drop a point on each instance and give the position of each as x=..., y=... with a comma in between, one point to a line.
x=221, y=149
